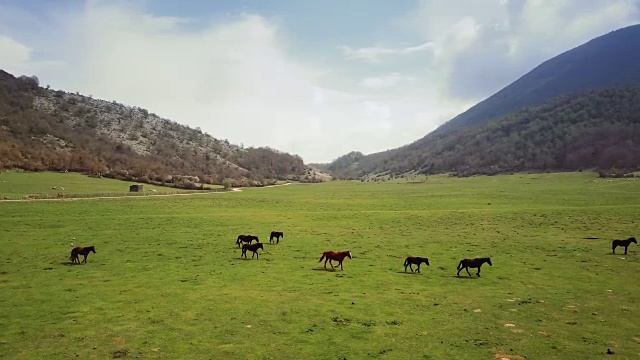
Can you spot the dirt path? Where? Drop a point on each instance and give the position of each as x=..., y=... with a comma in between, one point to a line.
x=139, y=196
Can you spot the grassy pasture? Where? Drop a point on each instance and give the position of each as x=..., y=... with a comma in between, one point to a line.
x=168, y=282
x=15, y=185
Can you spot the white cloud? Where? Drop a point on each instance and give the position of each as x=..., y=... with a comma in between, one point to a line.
x=483, y=45
x=14, y=56
x=233, y=79
x=374, y=54
x=386, y=81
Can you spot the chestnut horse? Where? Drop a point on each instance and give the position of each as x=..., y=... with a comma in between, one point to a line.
x=334, y=255
x=253, y=248
x=76, y=251
x=277, y=235
x=624, y=243
x=473, y=263
x=415, y=260
x=246, y=239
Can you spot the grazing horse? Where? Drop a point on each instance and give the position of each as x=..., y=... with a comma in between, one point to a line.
x=334, y=255
x=277, y=235
x=473, y=263
x=253, y=248
x=81, y=251
x=246, y=238
x=415, y=260
x=624, y=243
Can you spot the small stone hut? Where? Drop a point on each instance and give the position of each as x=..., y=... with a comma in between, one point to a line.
x=135, y=188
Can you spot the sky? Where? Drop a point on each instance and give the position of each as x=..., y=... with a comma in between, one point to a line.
x=313, y=78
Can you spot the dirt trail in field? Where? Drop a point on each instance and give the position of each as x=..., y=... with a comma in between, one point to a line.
x=140, y=196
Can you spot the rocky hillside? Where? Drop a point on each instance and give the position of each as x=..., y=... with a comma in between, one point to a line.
x=43, y=129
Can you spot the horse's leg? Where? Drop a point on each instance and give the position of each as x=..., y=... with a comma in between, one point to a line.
x=331, y=263
x=467, y=268
x=613, y=249
x=625, y=249
x=410, y=267
x=418, y=267
x=341, y=265
x=325, y=262
x=459, y=272
x=478, y=270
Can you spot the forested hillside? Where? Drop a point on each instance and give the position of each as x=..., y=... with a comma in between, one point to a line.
x=43, y=129
x=599, y=129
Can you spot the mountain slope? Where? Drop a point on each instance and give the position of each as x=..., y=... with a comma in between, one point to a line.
x=604, y=61
x=42, y=129
x=599, y=129
x=598, y=79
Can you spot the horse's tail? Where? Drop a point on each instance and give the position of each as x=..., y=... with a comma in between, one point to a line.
x=460, y=265
x=406, y=262
x=321, y=258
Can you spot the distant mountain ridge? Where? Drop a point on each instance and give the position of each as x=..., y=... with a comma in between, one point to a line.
x=43, y=129
x=598, y=81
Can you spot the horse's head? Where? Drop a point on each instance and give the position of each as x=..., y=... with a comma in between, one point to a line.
x=260, y=246
x=348, y=254
x=426, y=261
x=633, y=240
x=92, y=249
x=489, y=262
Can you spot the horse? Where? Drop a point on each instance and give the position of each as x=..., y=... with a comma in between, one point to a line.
x=334, y=255
x=624, y=243
x=473, y=263
x=277, y=235
x=246, y=238
x=415, y=260
x=76, y=251
x=253, y=248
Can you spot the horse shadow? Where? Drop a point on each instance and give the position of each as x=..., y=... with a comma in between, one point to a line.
x=68, y=263
x=408, y=273
x=465, y=277
x=323, y=269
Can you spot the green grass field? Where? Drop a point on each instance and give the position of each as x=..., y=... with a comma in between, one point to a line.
x=167, y=280
x=15, y=185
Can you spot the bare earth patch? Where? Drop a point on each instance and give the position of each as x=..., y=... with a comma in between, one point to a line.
x=508, y=356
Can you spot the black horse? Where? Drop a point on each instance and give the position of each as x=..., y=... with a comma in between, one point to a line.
x=472, y=263
x=253, y=248
x=77, y=251
x=415, y=260
x=246, y=239
x=277, y=235
x=624, y=243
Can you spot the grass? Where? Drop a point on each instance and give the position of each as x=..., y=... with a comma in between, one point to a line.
x=168, y=282
x=15, y=185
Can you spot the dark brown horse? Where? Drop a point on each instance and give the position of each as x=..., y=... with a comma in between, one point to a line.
x=277, y=235
x=473, y=263
x=246, y=239
x=334, y=255
x=415, y=260
x=624, y=243
x=77, y=251
x=253, y=248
